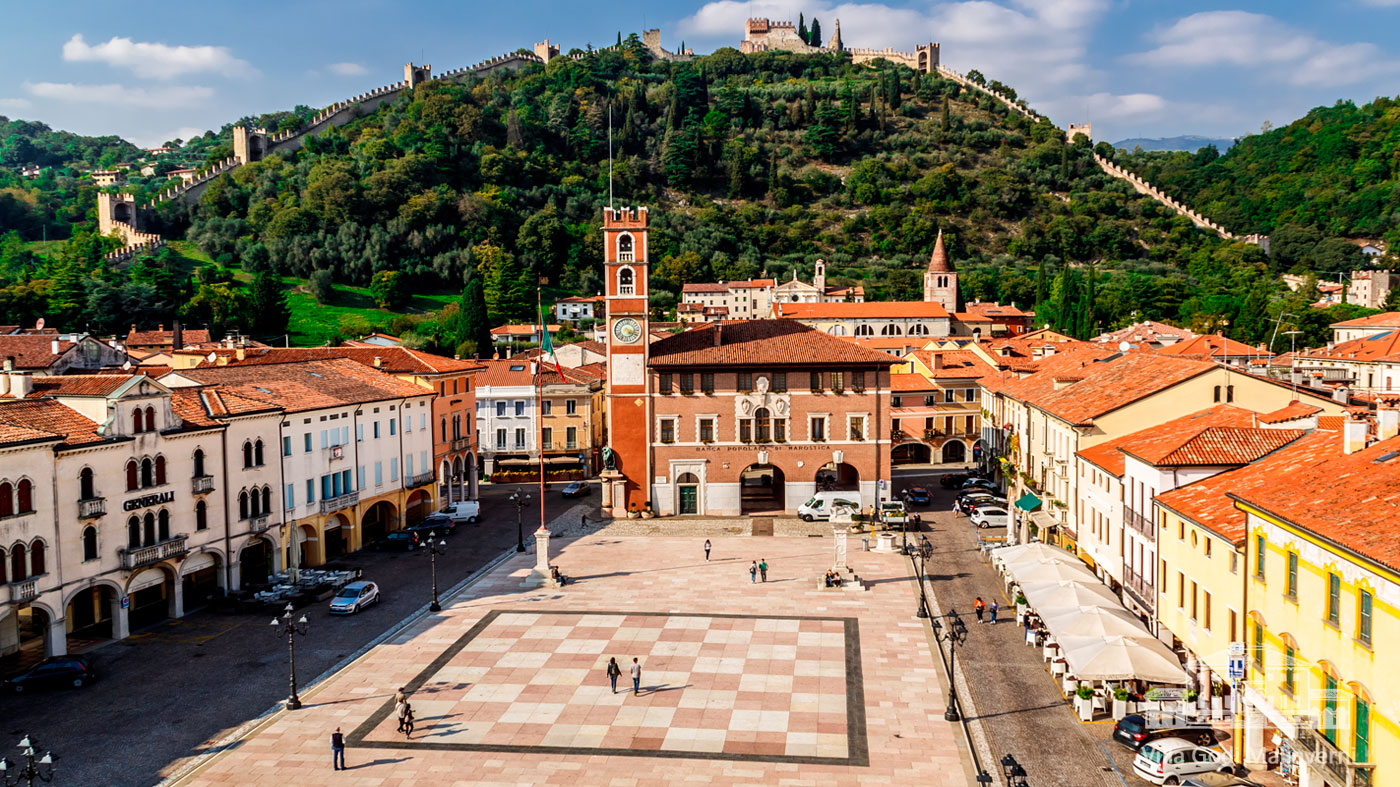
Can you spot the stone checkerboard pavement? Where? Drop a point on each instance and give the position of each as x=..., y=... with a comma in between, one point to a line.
x=767, y=683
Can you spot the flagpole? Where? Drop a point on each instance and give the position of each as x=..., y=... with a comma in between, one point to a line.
x=539, y=392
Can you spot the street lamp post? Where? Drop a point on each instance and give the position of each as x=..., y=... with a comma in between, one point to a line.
x=520, y=499
x=286, y=627
x=40, y=769
x=1013, y=774
x=921, y=556
x=954, y=632
x=435, y=548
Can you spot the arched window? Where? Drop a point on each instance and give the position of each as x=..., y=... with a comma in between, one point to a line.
x=763, y=425
x=267, y=499
x=136, y=421
x=163, y=520
x=254, y=503
x=85, y=483
x=864, y=330
x=7, y=499
x=625, y=252
x=444, y=427
x=918, y=329
x=201, y=516
x=148, y=476
x=243, y=504
x=133, y=533
x=150, y=419
x=148, y=530
x=18, y=565
x=626, y=282
x=891, y=330
x=36, y=558
x=89, y=543
x=3, y=569
x=131, y=482
x=198, y=462
x=247, y=455
x=258, y=453
x=24, y=497
x=160, y=470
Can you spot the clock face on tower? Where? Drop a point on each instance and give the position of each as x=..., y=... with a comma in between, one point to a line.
x=627, y=330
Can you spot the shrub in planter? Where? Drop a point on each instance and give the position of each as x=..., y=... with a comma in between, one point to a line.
x=1121, y=694
x=1020, y=599
x=1084, y=692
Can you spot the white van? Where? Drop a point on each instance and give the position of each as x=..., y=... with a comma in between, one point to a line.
x=466, y=511
x=822, y=505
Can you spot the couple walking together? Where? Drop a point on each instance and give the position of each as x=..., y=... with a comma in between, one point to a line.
x=614, y=672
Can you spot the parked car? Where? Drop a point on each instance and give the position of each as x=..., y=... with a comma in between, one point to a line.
x=1135, y=729
x=468, y=511
x=441, y=524
x=54, y=672
x=577, y=489
x=1169, y=760
x=970, y=500
x=953, y=480
x=1218, y=779
x=823, y=504
x=917, y=495
x=990, y=516
x=398, y=541
x=354, y=597
x=893, y=514
x=981, y=483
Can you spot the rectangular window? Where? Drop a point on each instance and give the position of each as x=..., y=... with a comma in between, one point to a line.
x=290, y=494
x=858, y=382
x=1292, y=576
x=306, y=440
x=1329, y=709
x=816, y=382
x=856, y=426
x=1363, y=617
x=394, y=468
x=1258, y=644
x=500, y=409
x=1234, y=562
x=780, y=430
x=895, y=401
x=1207, y=546
x=970, y=395
x=325, y=438
x=1334, y=599
x=1194, y=595
x=360, y=476
x=326, y=491
x=520, y=407
x=707, y=430
x=838, y=382
x=408, y=423
x=408, y=465
x=393, y=426
x=519, y=438
x=687, y=383
x=378, y=473
x=500, y=439
x=1234, y=621
x=548, y=438
x=1205, y=607
x=948, y=395
x=376, y=430
x=571, y=435
x=1361, y=728
x=707, y=382
x=665, y=384
x=422, y=421
x=745, y=381
x=359, y=433
x=1180, y=590
x=818, y=430
x=570, y=407
x=1259, y=556
x=780, y=382
x=668, y=430
x=1289, y=675
x=546, y=407
x=310, y=491
x=286, y=446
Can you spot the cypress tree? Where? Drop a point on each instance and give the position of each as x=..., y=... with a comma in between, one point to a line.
x=816, y=39
x=801, y=27
x=474, y=327
x=947, y=116
x=267, y=306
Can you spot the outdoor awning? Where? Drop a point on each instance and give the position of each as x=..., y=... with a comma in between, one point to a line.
x=1122, y=658
x=514, y=462
x=1028, y=502
x=1044, y=520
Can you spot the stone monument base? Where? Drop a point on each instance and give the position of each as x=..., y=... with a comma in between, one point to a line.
x=540, y=576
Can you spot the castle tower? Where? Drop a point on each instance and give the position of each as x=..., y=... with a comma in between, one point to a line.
x=546, y=51
x=413, y=76
x=835, y=43
x=629, y=406
x=927, y=57
x=941, y=280
x=1085, y=130
x=819, y=278
x=249, y=144
x=116, y=213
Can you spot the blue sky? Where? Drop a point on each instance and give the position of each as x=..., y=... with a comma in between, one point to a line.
x=151, y=71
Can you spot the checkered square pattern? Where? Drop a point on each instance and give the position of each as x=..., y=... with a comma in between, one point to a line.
x=712, y=687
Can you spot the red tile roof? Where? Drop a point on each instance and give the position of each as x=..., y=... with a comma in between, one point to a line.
x=1373, y=347
x=705, y=287
x=992, y=309
x=870, y=310
x=1207, y=502
x=938, y=261
x=1290, y=412
x=520, y=330
x=309, y=385
x=82, y=384
x=762, y=343
x=188, y=336
x=1158, y=441
x=1220, y=445
x=51, y=417
x=955, y=363
x=32, y=351
x=911, y=381
x=1118, y=383
x=393, y=360
x=517, y=372
x=15, y=434
x=1147, y=331
x=1211, y=345
x=1383, y=320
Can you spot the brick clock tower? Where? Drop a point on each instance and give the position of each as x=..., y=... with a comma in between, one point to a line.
x=629, y=405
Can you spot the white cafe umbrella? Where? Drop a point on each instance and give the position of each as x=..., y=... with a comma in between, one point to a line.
x=1046, y=596
x=1122, y=658
x=1100, y=622
x=1051, y=572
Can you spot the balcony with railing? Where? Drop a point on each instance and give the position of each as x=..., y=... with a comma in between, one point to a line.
x=258, y=523
x=1138, y=522
x=201, y=484
x=419, y=479
x=132, y=559
x=333, y=504
x=335, y=452
x=92, y=507
x=461, y=443
x=1139, y=588
x=22, y=590
x=1337, y=767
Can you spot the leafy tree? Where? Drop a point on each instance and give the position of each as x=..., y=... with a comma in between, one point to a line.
x=388, y=289
x=268, y=312
x=320, y=286
x=474, y=330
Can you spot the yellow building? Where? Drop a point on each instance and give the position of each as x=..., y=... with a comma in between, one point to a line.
x=573, y=418
x=1322, y=591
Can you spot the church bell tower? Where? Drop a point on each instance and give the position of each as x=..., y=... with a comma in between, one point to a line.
x=629, y=404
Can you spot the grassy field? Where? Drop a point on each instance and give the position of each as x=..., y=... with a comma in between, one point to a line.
x=314, y=324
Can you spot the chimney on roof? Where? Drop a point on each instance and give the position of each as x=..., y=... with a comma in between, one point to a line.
x=240, y=353
x=177, y=336
x=53, y=347
x=1354, y=433
x=1387, y=421
x=1339, y=394
x=160, y=327
x=21, y=383
x=937, y=361
x=378, y=362
x=719, y=331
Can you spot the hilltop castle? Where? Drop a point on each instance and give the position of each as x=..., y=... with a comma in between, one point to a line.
x=766, y=35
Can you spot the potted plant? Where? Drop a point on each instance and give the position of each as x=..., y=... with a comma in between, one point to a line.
x=1188, y=705
x=1084, y=702
x=647, y=513
x=632, y=512
x=1021, y=607
x=1217, y=701
x=1120, y=702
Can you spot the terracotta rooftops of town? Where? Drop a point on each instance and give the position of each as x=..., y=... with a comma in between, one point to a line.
x=33, y=351
x=705, y=287
x=953, y=363
x=309, y=385
x=81, y=384
x=527, y=372
x=1155, y=443
x=1117, y=382
x=1212, y=345
x=901, y=344
x=1382, y=320
x=1373, y=347
x=583, y=299
x=1352, y=500
x=1207, y=502
x=910, y=381
x=869, y=310
x=938, y=262
x=1289, y=412
x=47, y=416
x=394, y=360
x=1073, y=360
x=762, y=343
x=528, y=329
x=164, y=338
x=1146, y=331
x=18, y=434
x=992, y=310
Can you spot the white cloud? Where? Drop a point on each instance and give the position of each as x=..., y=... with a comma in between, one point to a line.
x=15, y=104
x=185, y=133
x=347, y=69
x=156, y=61
x=1261, y=42
x=172, y=97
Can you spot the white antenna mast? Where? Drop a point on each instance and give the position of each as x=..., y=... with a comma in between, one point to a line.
x=610, y=184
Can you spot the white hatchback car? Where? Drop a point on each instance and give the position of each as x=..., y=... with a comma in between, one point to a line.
x=1169, y=760
x=354, y=597
x=990, y=516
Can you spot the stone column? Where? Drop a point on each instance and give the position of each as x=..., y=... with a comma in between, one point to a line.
x=1254, y=757
x=540, y=576
x=121, y=628
x=56, y=643
x=838, y=534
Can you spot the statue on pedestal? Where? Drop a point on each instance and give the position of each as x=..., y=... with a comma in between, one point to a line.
x=609, y=458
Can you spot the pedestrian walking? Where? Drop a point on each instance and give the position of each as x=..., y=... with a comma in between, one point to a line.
x=401, y=710
x=753, y=571
x=636, y=677
x=978, y=607
x=337, y=750
x=408, y=721
x=614, y=672
x=995, y=606
x=763, y=569
x=707, y=550
x=401, y=696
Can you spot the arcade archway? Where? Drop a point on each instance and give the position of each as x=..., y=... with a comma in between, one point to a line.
x=911, y=454
x=761, y=489
x=377, y=522
x=836, y=477
x=954, y=452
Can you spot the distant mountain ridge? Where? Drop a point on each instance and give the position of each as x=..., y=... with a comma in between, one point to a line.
x=1187, y=142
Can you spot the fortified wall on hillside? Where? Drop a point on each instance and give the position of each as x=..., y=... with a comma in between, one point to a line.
x=766, y=35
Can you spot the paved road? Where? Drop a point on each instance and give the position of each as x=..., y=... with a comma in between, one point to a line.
x=1019, y=707
x=166, y=691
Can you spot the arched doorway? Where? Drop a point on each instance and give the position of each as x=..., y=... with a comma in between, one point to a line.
x=31, y=629
x=911, y=454
x=977, y=452
x=377, y=522
x=199, y=579
x=335, y=537
x=445, y=476
x=419, y=505
x=954, y=452
x=150, y=594
x=255, y=563
x=835, y=477
x=90, y=615
x=687, y=494
x=761, y=489
x=305, y=553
